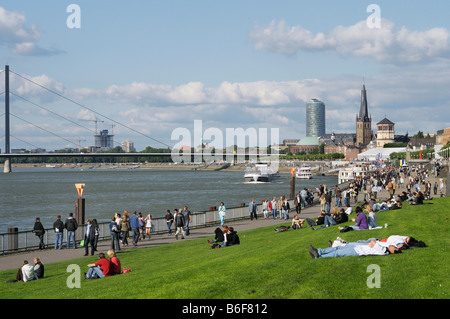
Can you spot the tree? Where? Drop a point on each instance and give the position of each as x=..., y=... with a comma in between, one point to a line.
x=419, y=135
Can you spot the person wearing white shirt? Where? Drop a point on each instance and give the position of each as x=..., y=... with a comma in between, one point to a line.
x=372, y=248
x=397, y=241
x=27, y=271
x=349, y=210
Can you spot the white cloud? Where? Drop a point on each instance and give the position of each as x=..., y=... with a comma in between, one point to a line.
x=21, y=40
x=387, y=44
x=25, y=86
x=407, y=97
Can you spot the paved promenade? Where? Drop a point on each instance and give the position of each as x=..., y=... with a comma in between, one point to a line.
x=13, y=261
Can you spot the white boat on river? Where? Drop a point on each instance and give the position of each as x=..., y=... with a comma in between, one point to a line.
x=303, y=172
x=260, y=173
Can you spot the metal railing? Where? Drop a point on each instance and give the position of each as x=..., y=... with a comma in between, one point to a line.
x=15, y=241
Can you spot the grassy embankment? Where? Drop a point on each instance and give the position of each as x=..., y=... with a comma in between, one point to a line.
x=268, y=265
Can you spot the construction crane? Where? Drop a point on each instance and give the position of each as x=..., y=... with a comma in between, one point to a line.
x=96, y=121
x=80, y=140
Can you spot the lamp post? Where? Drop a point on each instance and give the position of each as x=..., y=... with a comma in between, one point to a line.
x=80, y=204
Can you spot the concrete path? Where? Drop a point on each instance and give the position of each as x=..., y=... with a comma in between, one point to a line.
x=47, y=256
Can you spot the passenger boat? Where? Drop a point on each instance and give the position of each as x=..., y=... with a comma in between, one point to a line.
x=260, y=173
x=355, y=171
x=303, y=172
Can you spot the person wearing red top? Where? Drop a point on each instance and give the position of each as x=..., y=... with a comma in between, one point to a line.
x=100, y=269
x=116, y=268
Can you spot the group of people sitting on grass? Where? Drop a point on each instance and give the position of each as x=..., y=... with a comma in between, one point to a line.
x=366, y=217
x=392, y=245
x=104, y=267
x=224, y=237
x=28, y=272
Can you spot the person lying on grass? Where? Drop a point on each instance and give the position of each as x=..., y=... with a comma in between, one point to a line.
x=372, y=248
x=401, y=242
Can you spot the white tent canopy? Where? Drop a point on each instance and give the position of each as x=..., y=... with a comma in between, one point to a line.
x=375, y=154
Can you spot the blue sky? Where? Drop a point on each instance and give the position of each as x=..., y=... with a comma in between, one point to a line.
x=159, y=65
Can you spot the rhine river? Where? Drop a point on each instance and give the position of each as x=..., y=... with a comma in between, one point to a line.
x=47, y=192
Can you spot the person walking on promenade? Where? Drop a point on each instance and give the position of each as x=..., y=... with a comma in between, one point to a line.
x=303, y=194
x=114, y=231
x=323, y=202
x=148, y=225
x=96, y=232
x=280, y=206
x=125, y=228
x=179, y=224
x=222, y=211
x=273, y=207
x=252, y=208
x=265, y=207
x=141, y=226
x=89, y=238
x=169, y=220
x=328, y=200
x=118, y=220
x=58, y=227
x=298, y=203
x=338, y=196
x=71, y=226
x=286, y=207
x=187, y=219
x=39, y=231
x=134, y=223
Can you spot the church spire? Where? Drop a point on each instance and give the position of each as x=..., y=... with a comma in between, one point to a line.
x=363, y=110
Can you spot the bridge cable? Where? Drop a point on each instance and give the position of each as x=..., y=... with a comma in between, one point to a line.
x=90, y=109
x=43, y=129
x=59, y=115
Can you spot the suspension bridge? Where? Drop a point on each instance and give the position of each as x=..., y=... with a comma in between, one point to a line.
x=7, y=155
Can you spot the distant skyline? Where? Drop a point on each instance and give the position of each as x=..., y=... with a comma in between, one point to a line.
x=156, y=66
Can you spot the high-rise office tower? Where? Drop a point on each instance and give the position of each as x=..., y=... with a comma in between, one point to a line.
x=315, y=118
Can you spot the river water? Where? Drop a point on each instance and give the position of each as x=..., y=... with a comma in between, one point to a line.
x=47, y=192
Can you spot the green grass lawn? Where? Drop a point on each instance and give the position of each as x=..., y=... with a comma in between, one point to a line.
x=267, y=265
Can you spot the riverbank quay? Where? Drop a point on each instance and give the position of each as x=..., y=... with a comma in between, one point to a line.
x=284, y=166
x=49, y=255
x=14, y=260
